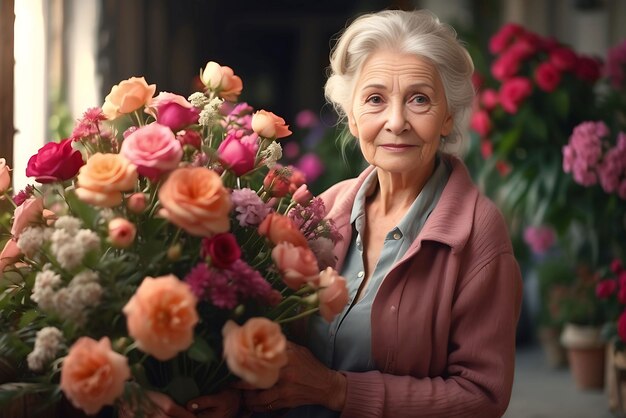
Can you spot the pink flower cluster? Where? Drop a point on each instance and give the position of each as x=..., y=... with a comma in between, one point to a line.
x=590, y=158
x=539, y=238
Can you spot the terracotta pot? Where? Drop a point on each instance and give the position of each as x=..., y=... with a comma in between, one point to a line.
x=585, y=354
x=554, y=353
x=615, y=380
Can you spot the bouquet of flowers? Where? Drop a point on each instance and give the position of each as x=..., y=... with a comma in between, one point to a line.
x=163, y=248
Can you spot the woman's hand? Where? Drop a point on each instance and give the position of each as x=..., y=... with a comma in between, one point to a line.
x=160, y=406
x=303, y=381
x=224, y=404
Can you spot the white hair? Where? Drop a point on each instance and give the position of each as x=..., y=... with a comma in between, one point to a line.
x=415, y=32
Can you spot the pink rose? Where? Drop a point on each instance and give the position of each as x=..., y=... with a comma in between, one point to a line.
x=489, y=99
x=616, y=266
x=333, y=293
x=297, y=265
x=93, y=375
x=5, y=177
x=161, y=316
x=121, y=232
x=195, y=199
x=153, y=149
x=505, y=66
x=128, y=96
x=255, y=351
x=55, y=161
x=137, y=203
x=222, y=248
x=302, y=195
x=279, y=228
x=548, y=76
x=236, y=155
x=311, y=165
x=28, y=213
x=173, y=111
x=268, y=125
x=481, y=122
x=539, y=238
x=9, y=255
x=503, y=37
x=513, y=92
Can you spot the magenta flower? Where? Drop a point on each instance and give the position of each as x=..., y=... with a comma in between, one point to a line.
x=249, y=206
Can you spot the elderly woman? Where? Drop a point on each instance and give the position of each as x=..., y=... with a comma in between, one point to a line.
x=434, y=286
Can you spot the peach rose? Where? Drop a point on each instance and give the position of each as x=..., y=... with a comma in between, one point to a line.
x=279, y=228
x=5, y=178
x=154, y=149
x=161, y=316
x=10, y=254
x=222, y=80
x=102, y=179
x=255, y=351
x=333, y=293
x=93, y=375
x=297, y=265
x=128, y=96
x=121, y=232
x=268, y=125
x=28, y=213
x=195, y=199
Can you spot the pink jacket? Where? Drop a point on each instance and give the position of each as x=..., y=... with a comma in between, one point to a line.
x=445, y=316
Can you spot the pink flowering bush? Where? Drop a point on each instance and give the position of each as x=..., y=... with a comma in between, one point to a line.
x=162, y=248
x=528, y=102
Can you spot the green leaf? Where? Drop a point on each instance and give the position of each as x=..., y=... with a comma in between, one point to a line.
x=89, y=214
x=182, y=389
x=28, y=317
x=560, y=103
x=201, y=351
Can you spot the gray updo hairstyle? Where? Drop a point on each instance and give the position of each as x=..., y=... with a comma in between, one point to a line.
x=416, y=32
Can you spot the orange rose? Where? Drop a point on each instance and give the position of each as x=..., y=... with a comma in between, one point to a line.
x=255, y=351
x=10, y=254
x=161, y=316
x=93, y=375
x=5, y=178
x=195, y=199
x=333, y=293
x=297, y=265
x=268, y=125
x=279, y=228
x=128, y=96
x=222, y=80
x=102, y=179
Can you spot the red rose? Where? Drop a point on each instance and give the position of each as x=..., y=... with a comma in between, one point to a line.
x=547, y=76
x=513, y=92
x=605, y=288
x=503, y=37
x=505, y=66
x=222, y=248
x=563, y=58
x=55, y=161
x=588, y=69
x=616, y=266
x=489, y=99
x=621, y=294
x=621, y=326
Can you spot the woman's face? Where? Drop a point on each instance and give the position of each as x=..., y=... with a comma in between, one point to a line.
x=399, y=112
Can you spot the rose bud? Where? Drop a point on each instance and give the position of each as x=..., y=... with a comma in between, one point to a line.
x=121, y=233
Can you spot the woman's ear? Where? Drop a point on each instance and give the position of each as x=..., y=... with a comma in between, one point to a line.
x=448, y=123
x=354, y=130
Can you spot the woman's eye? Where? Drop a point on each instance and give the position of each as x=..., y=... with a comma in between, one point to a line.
x=374, y=100
x=420, y=99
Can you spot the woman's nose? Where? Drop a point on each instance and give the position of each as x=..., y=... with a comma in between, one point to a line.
x=396, y=119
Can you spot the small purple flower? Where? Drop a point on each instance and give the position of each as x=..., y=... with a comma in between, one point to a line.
x=199, y=279
x=251, y=210
x=24, y=194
